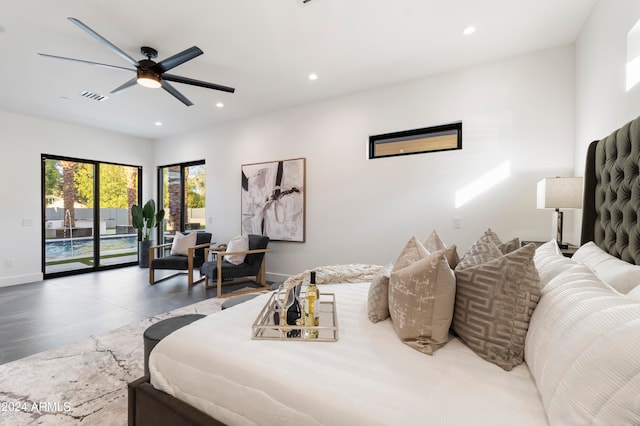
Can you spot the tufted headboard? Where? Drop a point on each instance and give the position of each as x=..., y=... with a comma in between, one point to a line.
x=612, y=193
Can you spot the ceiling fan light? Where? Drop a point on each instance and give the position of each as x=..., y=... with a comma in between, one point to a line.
x=148, y=79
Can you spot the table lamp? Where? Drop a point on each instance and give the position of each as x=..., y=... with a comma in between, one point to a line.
x=560, y=193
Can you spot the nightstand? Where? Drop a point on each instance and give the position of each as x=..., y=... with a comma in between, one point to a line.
x=566, y=252
x=569, y=251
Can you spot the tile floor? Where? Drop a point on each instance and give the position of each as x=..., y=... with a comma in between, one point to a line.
x=49, y=314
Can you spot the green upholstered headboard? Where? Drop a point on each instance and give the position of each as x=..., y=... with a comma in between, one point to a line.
x=612, y=193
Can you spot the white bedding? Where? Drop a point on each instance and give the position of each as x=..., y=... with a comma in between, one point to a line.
x=368, y=377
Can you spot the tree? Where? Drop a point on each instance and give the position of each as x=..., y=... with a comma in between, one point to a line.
x=52, y=180
x=196, y=187
x=132, y=188
x=113, y=187
x=83, y=181
x=68, y=192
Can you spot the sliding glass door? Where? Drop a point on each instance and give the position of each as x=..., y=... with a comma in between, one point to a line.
x=118, y=243
x=182, y=195
x=86, y=215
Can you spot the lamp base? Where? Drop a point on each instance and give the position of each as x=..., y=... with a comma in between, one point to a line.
x=559, y=230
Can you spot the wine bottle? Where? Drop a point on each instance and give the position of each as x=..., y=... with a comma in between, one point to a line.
x=294, y=313
x=312, y=313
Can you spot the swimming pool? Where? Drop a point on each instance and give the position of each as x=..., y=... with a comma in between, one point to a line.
x=83, y=247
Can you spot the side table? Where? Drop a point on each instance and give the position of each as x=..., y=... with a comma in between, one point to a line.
x=569, y=251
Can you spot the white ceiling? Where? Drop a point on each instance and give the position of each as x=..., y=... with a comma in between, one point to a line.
x=264, y=48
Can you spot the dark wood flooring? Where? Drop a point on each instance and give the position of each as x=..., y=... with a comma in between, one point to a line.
x=49, y=314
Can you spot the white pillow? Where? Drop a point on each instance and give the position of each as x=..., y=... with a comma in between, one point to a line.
x=635, y=293
x=621, y=275
x=182, y=242
x=582, y=350
x=237, y=243
x=550, y=262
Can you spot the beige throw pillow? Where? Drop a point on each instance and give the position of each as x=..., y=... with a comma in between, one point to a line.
x=237, y=243
x=421, y=298
x=378, y=300
x=434, y=243
x=412, y=251
x=495, y=297
x=182, y=242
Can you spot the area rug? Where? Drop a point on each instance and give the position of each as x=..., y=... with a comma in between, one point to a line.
x=83, y=383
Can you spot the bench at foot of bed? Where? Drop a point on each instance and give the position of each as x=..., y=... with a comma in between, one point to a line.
x=149, y=406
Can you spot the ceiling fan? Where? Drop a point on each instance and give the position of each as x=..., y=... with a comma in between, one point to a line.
x=148, y=72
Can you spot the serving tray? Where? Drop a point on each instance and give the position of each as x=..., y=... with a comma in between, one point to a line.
x=265, y=328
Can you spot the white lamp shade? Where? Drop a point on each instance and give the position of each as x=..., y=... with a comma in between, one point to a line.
x=560, y=193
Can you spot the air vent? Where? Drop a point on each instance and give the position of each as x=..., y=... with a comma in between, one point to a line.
x=94, y=96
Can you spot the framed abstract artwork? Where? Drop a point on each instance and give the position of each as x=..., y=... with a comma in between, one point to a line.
x=273, y=199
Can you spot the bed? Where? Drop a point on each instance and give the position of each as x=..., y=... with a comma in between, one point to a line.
x=577, y=362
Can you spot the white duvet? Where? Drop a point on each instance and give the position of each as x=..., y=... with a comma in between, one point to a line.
x=367, y=377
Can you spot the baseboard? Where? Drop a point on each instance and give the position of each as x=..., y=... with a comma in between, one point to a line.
x=20, y=279
x=273, y=277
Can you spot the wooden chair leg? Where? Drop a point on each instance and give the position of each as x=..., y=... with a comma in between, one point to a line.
x=152, y=255
x=261, y=275
x=190, y=272
x=219, y=270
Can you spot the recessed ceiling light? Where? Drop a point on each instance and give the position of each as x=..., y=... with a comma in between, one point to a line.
x=313, y=76
x=158, y=123
x=469, y=30
x=219, y=104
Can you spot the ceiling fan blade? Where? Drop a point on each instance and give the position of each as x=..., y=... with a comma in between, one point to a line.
x=199, y=83
x=86, y=62
x=104, y=41
x=177, y=59
x=169, y=88
x=126, y=85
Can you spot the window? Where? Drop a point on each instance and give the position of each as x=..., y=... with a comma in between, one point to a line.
x=87, y=215
x=438, y=138
x=183, y=197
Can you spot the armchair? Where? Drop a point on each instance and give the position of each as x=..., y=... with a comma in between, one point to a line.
x=178, y=262
x=251, y=270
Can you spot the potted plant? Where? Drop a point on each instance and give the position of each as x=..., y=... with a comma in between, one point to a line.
x=144, y=219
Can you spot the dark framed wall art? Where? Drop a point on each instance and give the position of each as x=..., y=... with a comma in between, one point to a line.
x=273, y=199
x=429, y=139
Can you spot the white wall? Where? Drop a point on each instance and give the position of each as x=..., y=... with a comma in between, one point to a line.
x=518, y=112
x=24, y=139
x=602, y=102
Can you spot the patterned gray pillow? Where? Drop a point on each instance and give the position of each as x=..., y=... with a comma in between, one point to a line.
x=378, y=301
x=511, y=245
x=421, y=298
x=495, y=297
x=480, y=252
